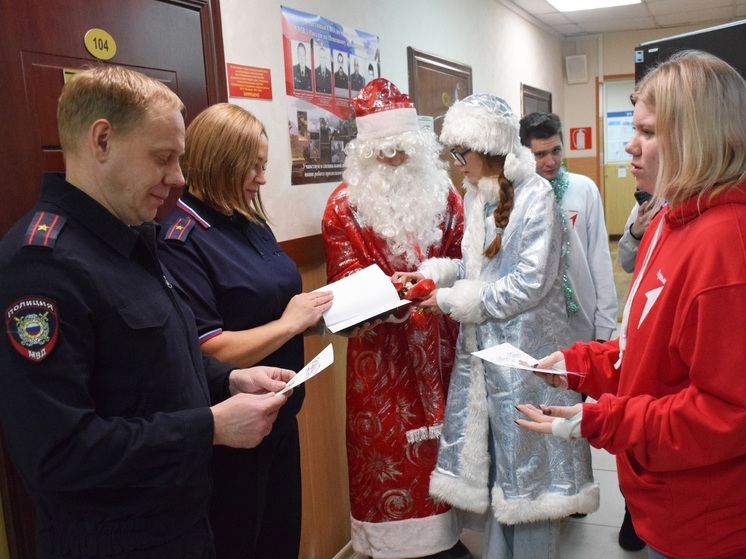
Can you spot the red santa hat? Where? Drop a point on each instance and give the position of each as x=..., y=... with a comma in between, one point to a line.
x=382, y=110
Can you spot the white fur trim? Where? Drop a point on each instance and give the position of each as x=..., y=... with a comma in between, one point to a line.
x=413, y=537
x=519, y=165
x=458, y=493
x=443, y=271
x=475, y=456
x=387, y=123
x=424, y=433
x=469, y=490
x=486, y=124
x=464, y=302
x=480, y=129
x=547, y=506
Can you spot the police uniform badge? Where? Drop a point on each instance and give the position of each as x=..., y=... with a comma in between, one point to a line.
x=32, y=325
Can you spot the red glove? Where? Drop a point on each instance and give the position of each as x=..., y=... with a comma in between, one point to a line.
x=420, y=290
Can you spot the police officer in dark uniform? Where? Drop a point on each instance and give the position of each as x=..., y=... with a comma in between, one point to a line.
x=357, y=81
x=340, y=76
x=301, y=72
x=323, y=75
x=109, y=409
x=248, y=301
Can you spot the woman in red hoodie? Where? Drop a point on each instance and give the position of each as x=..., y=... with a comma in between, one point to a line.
x=671, y=391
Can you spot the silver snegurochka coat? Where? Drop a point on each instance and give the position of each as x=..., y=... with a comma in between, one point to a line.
x=514, y=297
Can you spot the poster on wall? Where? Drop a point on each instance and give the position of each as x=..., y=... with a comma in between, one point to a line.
x=619, y=130
x=326, y=64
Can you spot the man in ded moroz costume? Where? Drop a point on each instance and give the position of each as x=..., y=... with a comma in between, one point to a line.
x=396, y=208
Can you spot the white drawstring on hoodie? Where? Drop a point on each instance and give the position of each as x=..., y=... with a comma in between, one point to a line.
x=633, y=292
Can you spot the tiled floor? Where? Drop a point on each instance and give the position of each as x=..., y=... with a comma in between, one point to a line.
x=594, y=536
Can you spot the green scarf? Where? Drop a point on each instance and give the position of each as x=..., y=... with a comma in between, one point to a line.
x=559, y=185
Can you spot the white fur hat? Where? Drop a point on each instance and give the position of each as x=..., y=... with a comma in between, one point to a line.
x=484, y=123
x=382, y=110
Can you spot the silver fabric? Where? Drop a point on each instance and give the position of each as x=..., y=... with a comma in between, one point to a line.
x=532, y=476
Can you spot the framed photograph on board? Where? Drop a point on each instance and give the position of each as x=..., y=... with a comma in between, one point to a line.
x=535, y=100
x=436, y=83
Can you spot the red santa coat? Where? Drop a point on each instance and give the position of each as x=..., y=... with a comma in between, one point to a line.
x=397, y=376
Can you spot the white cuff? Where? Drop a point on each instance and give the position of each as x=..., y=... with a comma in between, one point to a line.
x=443, y=271
x=568, y=429
x=442, y=297
x=560, y=366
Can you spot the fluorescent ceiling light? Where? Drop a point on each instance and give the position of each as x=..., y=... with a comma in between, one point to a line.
x=577, y=5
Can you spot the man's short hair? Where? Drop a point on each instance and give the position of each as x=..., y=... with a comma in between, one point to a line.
x=539, y=126
x=117, y=94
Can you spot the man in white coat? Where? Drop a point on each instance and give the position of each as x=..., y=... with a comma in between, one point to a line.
x=590, y=293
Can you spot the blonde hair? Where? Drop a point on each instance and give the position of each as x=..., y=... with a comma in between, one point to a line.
x=700, y=124
x=494, y=165
x=221, y=149
x=121, y=96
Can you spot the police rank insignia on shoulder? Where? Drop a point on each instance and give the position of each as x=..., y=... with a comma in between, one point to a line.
x=179, y=230
x=43, y=229
x=32, y=326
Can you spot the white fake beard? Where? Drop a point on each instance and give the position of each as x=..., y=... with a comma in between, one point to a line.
x=404, y=205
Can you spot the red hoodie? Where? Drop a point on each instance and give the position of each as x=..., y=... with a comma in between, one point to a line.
x=675, y=413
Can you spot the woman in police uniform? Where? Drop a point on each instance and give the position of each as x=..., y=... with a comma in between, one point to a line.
x=246, y=295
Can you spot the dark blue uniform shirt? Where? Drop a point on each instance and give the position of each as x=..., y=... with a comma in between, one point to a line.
x=236, y=275
x=104, y=393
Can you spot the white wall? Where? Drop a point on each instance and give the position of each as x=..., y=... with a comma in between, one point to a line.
x=608, y=54
x=503, y=49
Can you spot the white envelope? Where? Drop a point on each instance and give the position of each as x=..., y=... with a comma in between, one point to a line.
x=507, y=355
x=314, y=367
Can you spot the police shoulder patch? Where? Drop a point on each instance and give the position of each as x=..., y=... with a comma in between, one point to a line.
x=44, y=229
x=32, y=325
x=180, y=229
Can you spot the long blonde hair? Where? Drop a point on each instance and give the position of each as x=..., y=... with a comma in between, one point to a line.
x=700, y=124
x=221, y=149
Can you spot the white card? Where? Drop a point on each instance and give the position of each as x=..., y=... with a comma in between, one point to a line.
x=360, y=297
x=507, y=355
x=314, y=367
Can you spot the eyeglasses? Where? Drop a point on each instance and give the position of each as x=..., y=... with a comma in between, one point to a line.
x=460, y=156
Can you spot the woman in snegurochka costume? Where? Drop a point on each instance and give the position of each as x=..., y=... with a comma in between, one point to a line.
x=507, y=288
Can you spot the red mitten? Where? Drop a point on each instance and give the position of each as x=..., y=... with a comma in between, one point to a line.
x=420, y=290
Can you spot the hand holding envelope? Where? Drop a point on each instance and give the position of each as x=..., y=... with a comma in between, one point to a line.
x=551, y=368
x=314, y=367
x=561, y=421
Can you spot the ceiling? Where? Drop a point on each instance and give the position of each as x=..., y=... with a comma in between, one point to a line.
x=651, y=14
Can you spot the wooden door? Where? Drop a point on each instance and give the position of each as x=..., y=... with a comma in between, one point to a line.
x=619, y=200
x=177, y=41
